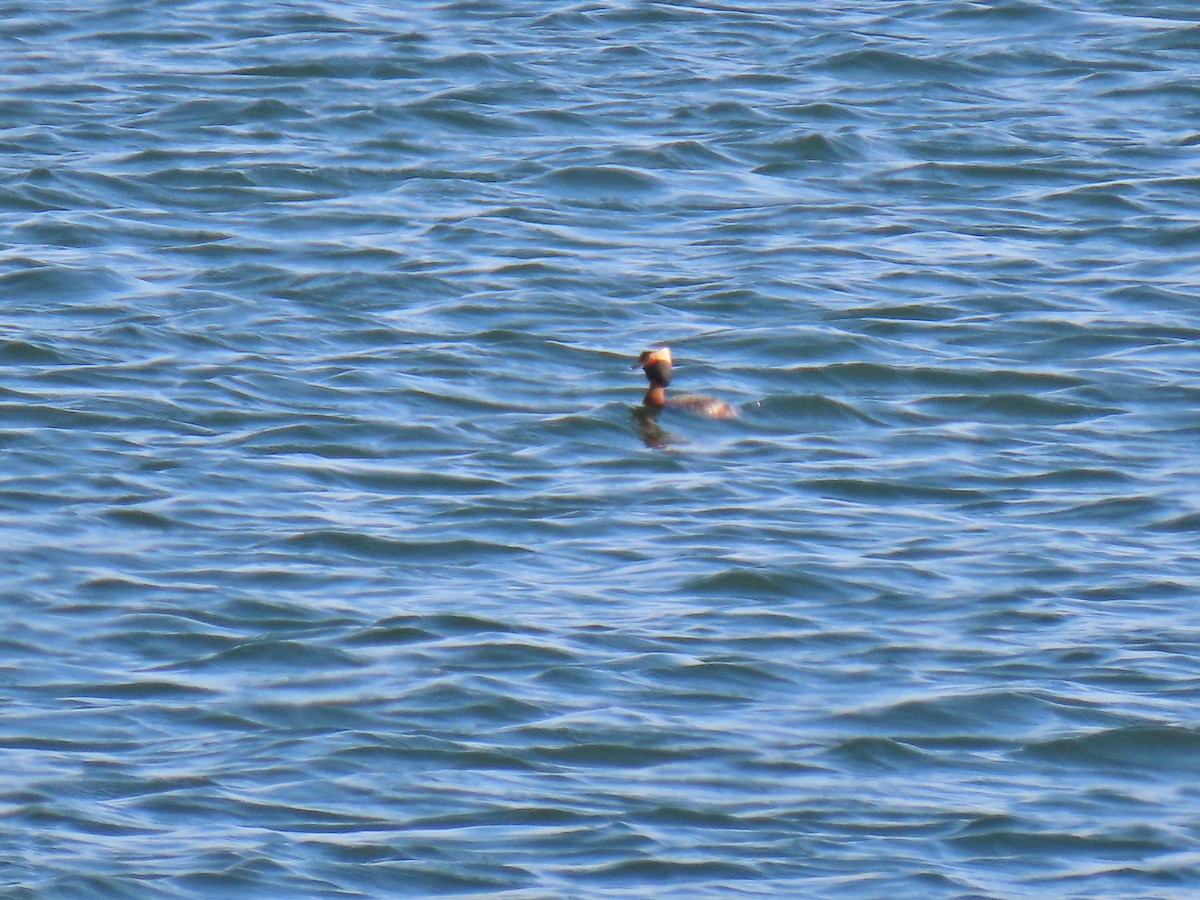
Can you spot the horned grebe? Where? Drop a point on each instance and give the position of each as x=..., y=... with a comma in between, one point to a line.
x=657, y=366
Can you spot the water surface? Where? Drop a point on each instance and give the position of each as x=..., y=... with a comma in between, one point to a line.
x=335, y=561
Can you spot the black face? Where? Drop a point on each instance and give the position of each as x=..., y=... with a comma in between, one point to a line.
x=658, y=372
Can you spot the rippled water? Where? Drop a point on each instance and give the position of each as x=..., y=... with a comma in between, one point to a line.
x=335, y=561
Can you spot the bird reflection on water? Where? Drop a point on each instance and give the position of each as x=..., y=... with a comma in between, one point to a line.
x=653, y=435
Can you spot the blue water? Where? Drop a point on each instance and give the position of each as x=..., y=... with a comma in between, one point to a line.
x=336, y=561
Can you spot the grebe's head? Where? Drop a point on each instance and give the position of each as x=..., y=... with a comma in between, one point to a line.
x=657, y=365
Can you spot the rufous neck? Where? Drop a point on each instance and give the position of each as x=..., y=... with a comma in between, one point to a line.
x=656, y=395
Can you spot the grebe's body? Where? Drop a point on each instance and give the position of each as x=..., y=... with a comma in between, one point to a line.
x=657, y=366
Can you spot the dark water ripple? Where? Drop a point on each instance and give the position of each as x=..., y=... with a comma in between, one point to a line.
x=336, y=565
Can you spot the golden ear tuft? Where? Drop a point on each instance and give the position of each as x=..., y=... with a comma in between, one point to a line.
x=660, y=354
